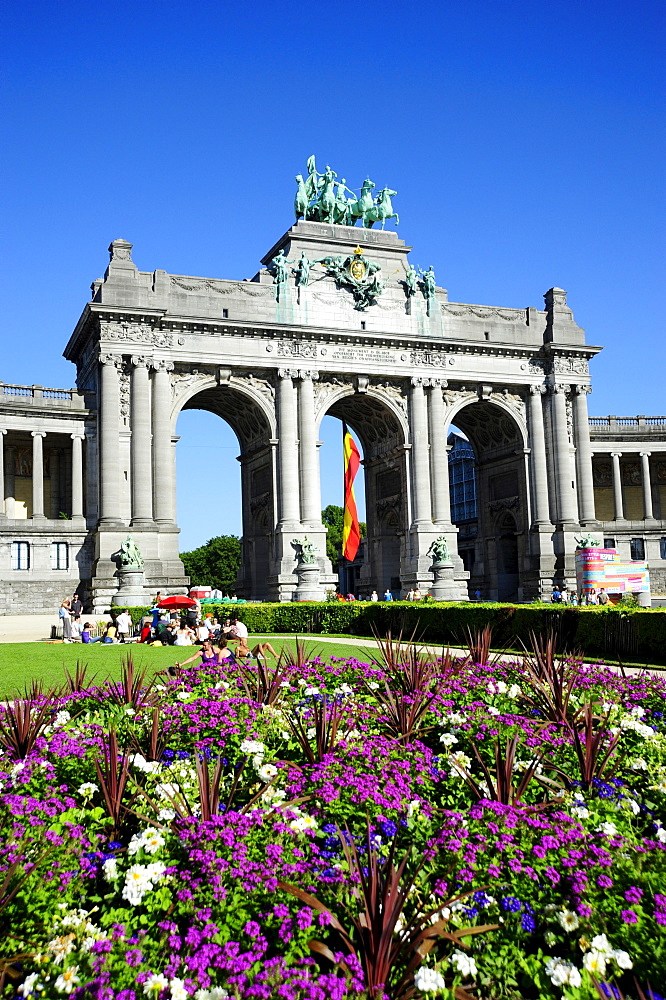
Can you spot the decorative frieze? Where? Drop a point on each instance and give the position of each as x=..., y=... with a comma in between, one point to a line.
x=127, y=331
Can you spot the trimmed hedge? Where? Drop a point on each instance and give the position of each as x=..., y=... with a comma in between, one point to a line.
x=632, y=634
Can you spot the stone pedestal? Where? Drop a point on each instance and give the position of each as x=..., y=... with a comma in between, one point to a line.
x=444, y=587
x=131, y=591
x=309, y=587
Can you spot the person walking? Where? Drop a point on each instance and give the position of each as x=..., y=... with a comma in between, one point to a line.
x=76, y=607
x=388, y=596
x=602, y=596
x=65, y=620
x=124, y=626
x=374, y=596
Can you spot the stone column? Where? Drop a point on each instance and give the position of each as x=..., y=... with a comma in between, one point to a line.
x=77, y=475
x=10, y=481
x=288, y=491
x=162, y=448
x=566, y=499
x=439, y=457
x=109, y=440
x=2, y=473
x=538, y=464
x=617, y=486
x=309, y=460
x=586, y=511
x=54, y=469
x=647, y=486
x=142, y=498
x=420, y=455
x=38, y=474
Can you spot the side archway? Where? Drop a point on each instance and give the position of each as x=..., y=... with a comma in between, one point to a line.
x=498, y=436
x=252, y=419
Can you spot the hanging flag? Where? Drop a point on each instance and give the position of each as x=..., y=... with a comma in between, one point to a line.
x=351, y=532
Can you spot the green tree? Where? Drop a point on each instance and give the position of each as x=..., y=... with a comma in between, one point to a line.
x=214, y=564
x=332, y=516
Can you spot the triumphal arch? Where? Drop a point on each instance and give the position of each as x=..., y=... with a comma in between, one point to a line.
x=337, y=321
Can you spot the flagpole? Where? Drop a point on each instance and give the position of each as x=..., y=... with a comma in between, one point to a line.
x=345, y=571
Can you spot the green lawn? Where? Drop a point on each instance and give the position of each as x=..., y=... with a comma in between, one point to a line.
x=23, y=662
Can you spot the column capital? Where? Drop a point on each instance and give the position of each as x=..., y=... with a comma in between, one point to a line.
x=436, y=383
x=616, y=454
x=38, y=434
x=111, y=360
x=419, y=381
x=582, y=390
x=306, y=375
x=538, y=390
x=643, y=454
x=77, y=435
x=3, y=430
x=161, y=365
x=141, y=360
x=559, y=387
x=289, y=373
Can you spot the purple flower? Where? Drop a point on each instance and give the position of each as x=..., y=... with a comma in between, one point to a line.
x=633, y=894
x=629, y=917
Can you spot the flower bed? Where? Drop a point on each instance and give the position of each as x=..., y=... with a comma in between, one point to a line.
x=404, y=828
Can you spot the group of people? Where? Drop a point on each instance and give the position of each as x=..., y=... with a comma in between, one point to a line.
x=582, y=598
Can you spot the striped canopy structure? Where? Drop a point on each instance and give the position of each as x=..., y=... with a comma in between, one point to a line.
x=351, y=533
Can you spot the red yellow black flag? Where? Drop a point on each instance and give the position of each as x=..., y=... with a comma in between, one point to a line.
x=351, y=533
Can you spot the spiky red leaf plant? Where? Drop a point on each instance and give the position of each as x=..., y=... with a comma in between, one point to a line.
x=375, y=910
x=22, y=722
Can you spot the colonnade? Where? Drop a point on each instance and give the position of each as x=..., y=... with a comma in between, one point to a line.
x=299, y=489
x=618, y=499
x=7, y=454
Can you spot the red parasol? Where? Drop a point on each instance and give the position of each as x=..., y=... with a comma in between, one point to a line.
x=177, y=601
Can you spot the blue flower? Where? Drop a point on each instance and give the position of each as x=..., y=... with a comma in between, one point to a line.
x=528, y=923
x=481, y=899
x=511, y=904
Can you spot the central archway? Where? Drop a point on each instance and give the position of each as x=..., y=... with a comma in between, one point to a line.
x=380, y=425
x=251, y=418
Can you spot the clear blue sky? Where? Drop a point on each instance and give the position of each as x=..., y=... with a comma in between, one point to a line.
x=526, y=142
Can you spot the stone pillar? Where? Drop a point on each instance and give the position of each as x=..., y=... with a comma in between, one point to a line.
x=2, y=473
x=162, y=447
x=439, y=457
x=288, y=491
x=566, y=498
x=617, y=486
x=420, y=455
x=586, y=511
x=142, y=499
x=10, y=481
x=38, y=474
x=54, y=469
x=309, y=460
x=647, y=486
x=538, y=465
x=109, y=440
x=77, y=475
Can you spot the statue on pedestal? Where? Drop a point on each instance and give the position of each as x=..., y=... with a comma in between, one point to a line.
x=130, y=557
x=588, y=541
x=439, y=550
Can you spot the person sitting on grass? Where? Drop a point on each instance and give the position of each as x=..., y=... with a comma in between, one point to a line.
x=85, y=633
x=146, y=631
x=209, y=656
x=259, y=651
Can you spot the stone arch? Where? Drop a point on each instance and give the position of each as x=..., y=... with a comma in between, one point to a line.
x=249, y=411
x=380, y=423
x=497, y=432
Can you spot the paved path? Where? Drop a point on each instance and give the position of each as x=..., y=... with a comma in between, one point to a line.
x=32, y=628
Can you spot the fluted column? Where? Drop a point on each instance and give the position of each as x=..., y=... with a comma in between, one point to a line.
x=109, y=440
x=77, y=475
x=163, y=461
x=617, y=486
x=420, y=454
x=2, y=473
x=647, y=487
x=309, y=462
x=586, y=511
x=142, y=488
x=38, y=474
x=566, y=498
x=288, y=491
x=538, y=463
x=439, y=456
